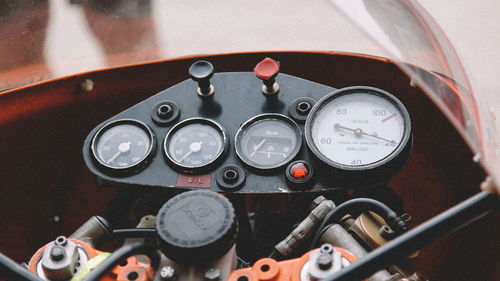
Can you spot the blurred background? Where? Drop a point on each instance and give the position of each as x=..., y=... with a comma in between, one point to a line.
x=54, y=38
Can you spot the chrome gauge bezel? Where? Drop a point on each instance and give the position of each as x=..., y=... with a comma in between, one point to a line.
x=263, y=117
x=201, y=168
x=406, y=140
x=126, y=170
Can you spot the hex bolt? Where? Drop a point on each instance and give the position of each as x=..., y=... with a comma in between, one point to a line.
x=324, y=261
x=167, y=273
x=61, y=240
x=213, y=274
x=57, y=253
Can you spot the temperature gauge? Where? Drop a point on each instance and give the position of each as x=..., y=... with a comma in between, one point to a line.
x=123, y=145
x=360, y=129
x=268, y=141
x=195, y=144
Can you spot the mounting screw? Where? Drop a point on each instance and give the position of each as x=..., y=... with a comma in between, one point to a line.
x=87, y=85
x=61, y=240
x=167, y=273
x=213, y=274
x=326, y=249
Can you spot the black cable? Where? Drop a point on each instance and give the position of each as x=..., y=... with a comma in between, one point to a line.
x=355, y=207
x=10, y=270
x=398, y=249
x=121, y=254
x=134, y=232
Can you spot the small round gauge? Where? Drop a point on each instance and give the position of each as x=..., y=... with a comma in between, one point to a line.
x=195, y=144
x=123, y=145
x=358, y=128
x=268, y=141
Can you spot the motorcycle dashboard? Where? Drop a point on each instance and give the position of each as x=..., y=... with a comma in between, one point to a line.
x=253, y=132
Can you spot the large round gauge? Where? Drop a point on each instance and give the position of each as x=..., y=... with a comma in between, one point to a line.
x=123, y=146
x=195, y=144
x=268, y=141
x=358, y=128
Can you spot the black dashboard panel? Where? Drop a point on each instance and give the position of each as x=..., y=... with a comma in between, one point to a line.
x=238, y=97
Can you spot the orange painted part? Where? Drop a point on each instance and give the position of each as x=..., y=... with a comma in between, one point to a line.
x=91, y=252
x=268, y=269
x=145, y=272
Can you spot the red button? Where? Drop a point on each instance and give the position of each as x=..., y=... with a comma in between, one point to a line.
x=299, y=171
x=266, y=69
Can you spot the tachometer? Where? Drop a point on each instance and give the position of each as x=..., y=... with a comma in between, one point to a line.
x=195, y=144
x=268, y=141
x=360, y=129
x=123, y=146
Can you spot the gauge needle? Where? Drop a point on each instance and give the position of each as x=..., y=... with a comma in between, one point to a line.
x=358, y=132
x=122, y=147
x=193, y=147
x=256, y=147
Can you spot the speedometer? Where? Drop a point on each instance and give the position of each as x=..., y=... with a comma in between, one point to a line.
x=360, y=129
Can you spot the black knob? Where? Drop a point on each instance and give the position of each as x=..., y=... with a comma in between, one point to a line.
x=201, y=72
x=196, y=227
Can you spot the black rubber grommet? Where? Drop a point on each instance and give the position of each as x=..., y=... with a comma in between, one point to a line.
x=230, y=178
x=300, y=108
x=165, y=113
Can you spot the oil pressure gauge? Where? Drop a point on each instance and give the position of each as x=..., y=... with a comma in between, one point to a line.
x=123, y=146
x=195, y=144
x=363, y=131
x=268, y=141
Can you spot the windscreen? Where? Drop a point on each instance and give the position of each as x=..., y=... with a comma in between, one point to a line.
x=46, y=39
x=412, y=39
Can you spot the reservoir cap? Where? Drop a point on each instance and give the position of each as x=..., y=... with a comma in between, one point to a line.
x=196, y=227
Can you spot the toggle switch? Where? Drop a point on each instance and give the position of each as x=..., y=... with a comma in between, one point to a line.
x=267, y=70
x=201, y=72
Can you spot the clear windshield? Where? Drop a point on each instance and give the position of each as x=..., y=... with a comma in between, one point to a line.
x=44, y=39
x=412, y=39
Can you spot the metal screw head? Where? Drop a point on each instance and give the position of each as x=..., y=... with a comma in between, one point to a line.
x=61, y=240
x=57, y=253
x=213, y=274
x=324, y=261
x=167, y=273
x=326, y=249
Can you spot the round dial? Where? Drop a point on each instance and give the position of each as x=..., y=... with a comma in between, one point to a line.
x=195, y=143
x=122, y=145
x=358, y=128
x=268, y=141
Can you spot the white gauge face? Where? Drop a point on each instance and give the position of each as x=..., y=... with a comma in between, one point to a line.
x=358, y=129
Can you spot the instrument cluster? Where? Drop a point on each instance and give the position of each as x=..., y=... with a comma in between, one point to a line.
x=260, y=132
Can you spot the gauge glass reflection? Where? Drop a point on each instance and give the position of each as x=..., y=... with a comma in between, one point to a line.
x=268, y=142
x=122, y=145
x=195, y=145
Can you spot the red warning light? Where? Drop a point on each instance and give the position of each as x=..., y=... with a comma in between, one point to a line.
x=299, y=171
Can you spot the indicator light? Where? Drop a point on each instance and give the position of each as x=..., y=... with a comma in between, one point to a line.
x=299, y=175
x=299, y=171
